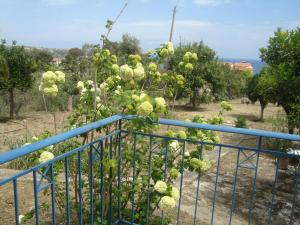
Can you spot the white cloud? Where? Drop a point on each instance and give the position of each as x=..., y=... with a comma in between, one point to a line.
x=57, y=2
x=211, y=2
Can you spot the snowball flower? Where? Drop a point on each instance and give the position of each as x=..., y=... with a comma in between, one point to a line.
x=51, y=91
x=167, y=203
x=152, y=67
x=45, y=156
x=115, y=68
x=160, y=187
x=226, y=105
x=80, y=85
x=60, y=77
x=175, y=193
x=188, y=67
x=145, y=109
x=160, y=102
x=49, y=78
x=142, y=96
x=34, y=138
x=104, y=86
x=174, y=173
x=135, y=97
x=114, y=59
x=139, y=73
x=27, y=143
x=167, y=49
x=174, y=145
x=117, y=92
x=98, y=99
x=205, y=165
x=181, y=134
x=21, y=217
x=126, y=72
x=90, y=82
x=187, y=154
x=195, y=163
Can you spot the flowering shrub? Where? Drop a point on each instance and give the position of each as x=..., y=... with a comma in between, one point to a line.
x=122, y=89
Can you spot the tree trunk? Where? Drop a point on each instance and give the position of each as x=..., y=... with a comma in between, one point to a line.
x=11, y=101
x=262, y=109
x=194, y=98
x=70, y=103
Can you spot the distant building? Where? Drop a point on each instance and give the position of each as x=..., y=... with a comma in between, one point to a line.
x=56, y=61
x=241, y=66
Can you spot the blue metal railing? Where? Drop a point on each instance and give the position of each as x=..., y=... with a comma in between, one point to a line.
x=88, y=162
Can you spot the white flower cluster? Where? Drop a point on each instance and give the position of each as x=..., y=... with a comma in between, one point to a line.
x=189, y=59
x=49, y=82
x=201, y=165
x=145, y=108
x=166, y=202
x=160, y=103
x=160, y=186
x=174, y=145
x=167, y=50
x=45, y=156
x=136, y=73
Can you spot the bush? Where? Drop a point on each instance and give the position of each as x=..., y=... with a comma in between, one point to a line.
x=241, y=122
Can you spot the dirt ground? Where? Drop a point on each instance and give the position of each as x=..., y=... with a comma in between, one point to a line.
x=14, y=132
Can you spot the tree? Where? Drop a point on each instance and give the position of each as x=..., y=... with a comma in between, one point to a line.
x=3, y=72
x=76, y=64
x=20, y=68
x=260, y=89
x=283, y=56
x=129, y=45
x=42, y=59
x=202, y=69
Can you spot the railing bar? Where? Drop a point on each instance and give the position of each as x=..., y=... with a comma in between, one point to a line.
x=119, y=170
x=249, y=158
x=198, y=186
x=216, y=186
x=181, y=182
x=295, y=193
x=225, y=129
x=234, y=187
x=91, y=185
x=149, y=176
x=57, y=158
x=67, y=190
x=133, y=179
x=253, y=195
x=36, y=203
x=101, y=183
x=19, y=152
x=80, y=188
x=165, y=177
x=16, y=202
x=43, y=175
x=273, y=194
x=110, y=177
x=272, y=152
x=52, y=195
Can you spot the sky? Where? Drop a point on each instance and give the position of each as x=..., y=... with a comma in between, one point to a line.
x=233, y=28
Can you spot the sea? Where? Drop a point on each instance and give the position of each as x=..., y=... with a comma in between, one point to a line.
x=257, y=64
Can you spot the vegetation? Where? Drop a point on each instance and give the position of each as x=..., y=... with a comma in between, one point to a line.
x=16, y=71
x=283, y=57
x=210, y=79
